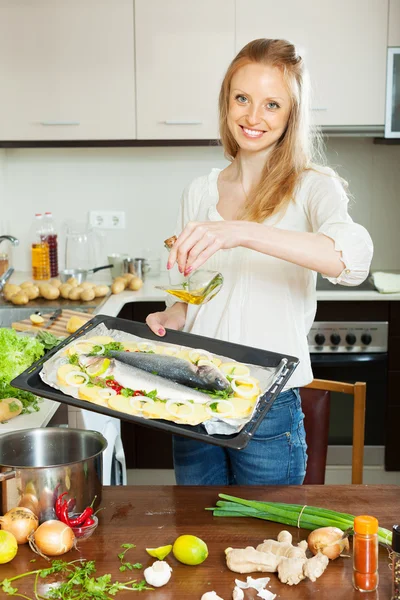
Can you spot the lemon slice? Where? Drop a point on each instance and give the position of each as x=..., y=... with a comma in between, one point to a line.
x=161, y=552
x=36, y=319
x=234, y=369
x=98, y=368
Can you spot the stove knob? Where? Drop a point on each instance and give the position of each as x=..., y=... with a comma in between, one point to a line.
x=366, y=339
x=319, y=339
x=351, y=339
x=335, y=339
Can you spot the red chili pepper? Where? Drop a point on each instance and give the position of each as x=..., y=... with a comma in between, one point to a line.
x=64, y=514
x=83, y=516
x=89, y=521
x=58, y=504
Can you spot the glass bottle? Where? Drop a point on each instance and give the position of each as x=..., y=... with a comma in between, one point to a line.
x=50, y=236
x=365, y=553
x=40, y=251
x=395, y=554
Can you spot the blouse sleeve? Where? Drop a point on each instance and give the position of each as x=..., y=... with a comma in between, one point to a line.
x=327, y=204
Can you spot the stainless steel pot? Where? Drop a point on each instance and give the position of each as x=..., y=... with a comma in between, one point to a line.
x=36, y=465
x=80, y=274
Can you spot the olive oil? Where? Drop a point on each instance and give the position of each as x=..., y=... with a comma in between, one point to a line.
x=192, y=296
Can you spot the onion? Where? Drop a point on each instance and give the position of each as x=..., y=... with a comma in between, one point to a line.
x=75, y=346
x=218, y=413
x=146, y=346
x=171, y=351
x=171, y=410
x=21, y=522
x=248, y=381
x=136, y=399
x=204, y=362
x=106, y=393
x=52, y=538
x=327, y=540
x=70, y=378
x=30, y=501
x=195, y=355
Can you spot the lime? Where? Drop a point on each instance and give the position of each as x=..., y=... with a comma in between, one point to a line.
x=98, y=367
x=8, y=547
x=190, y=550
x=161, y=552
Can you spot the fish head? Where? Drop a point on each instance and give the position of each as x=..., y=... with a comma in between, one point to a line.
x=213, y=377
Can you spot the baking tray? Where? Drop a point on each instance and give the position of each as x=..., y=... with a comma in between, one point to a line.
x=30, y=380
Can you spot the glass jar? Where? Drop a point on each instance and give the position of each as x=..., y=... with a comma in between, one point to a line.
x=365, y=553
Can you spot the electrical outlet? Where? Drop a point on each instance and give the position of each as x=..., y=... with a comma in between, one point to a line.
x=107, y=219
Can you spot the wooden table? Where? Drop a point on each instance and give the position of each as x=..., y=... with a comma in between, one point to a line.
x=152, y=516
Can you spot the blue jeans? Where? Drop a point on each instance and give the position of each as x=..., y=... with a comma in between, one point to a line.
x=276, y=455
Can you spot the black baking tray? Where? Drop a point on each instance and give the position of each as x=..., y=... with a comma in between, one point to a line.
x=30, y=380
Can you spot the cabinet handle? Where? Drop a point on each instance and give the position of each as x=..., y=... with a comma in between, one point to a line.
x=54, y=123
x=319, y=109
x=182, y=122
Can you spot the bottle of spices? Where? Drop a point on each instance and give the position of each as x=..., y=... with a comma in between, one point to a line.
x=365, y=553
x=395, y=554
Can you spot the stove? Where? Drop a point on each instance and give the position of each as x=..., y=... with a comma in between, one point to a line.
x=348, y=337
x=324, y=285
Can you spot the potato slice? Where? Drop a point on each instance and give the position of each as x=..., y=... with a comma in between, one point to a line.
x=234, y=369
x=100, y=339
x=92, y=394
x=122, y=404
x=131, y=346
x=6, y=406
x=242, y=407
x=63, y=371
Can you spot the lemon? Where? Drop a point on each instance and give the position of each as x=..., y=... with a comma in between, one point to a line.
x=161, y=552
x=234, y=369
x=190, y=550
x=8, y=547
x=98, y=368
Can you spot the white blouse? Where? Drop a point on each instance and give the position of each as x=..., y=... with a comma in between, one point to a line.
x=267, y=302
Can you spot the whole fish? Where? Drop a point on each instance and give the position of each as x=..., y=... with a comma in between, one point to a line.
x=181, y=371
x=139, y=379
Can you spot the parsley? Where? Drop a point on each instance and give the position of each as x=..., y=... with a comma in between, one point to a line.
x=127, y=392
x=74, y=359
x=214, y=406
x=111, y=347
x=218, y=395
x=7, y=587
x=127, y=565
x=13, y=406
x=152, y=394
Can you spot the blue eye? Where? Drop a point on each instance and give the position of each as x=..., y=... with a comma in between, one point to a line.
x=241, y=99
x=273, y=105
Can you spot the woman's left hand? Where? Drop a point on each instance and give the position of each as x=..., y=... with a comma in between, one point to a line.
x=200, y=240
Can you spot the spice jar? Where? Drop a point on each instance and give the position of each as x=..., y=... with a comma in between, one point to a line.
x=395, y=554
x=365, y=553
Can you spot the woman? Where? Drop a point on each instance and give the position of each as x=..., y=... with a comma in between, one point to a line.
x=268, y=222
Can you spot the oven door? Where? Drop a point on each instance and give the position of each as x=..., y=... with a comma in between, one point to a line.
x=350, y=368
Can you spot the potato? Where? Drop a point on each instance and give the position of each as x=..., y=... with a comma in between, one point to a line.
x=120, y=279
x=9, y=408
x=65, y=290
x=75, y=293
x=101, y=290
x=127, y=276
x=72, y=281
x=10, y=289
x=135, y=284
x=56, y=282
x=32, y=291
x=26, y=284
x=74, y=324
x=118, y=287
x=49, y=292
x=87, y=285
x=87, y=295
x=20, y=298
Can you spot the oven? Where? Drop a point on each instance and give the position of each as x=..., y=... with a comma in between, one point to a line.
x=352, y=351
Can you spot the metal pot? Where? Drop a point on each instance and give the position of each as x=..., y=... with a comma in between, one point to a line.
x=36, y=465
x=80, y=274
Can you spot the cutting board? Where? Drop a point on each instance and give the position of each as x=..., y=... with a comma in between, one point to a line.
x=59, y=326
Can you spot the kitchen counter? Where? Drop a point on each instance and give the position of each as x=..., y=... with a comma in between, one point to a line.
x=152, y=516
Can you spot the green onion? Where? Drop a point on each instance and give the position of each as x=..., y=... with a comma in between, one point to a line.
x=296, y=515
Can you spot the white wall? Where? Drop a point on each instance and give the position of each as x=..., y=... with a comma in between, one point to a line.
x=147, y=183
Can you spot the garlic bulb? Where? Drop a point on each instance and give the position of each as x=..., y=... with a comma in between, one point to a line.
x=158, y=574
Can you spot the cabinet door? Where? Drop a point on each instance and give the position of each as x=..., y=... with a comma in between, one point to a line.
x=343, y=43
x=182, y=52
x=67, y=70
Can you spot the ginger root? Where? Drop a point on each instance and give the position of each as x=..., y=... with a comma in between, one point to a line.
x=279, y=555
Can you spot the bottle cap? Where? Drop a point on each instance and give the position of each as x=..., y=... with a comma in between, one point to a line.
x=396, y=538
x=365, y=525
x=170, y=242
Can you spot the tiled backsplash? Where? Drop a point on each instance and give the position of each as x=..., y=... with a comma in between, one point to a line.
x=147, y=184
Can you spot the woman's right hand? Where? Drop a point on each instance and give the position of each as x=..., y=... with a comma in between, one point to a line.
x=171, y=318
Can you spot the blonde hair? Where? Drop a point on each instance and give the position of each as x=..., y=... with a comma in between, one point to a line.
x=296, y=149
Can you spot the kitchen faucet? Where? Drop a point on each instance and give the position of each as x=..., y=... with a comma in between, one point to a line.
x=10, y=238
x=6, y=276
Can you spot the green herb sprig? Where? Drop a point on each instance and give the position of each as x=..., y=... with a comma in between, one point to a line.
x=124, y=564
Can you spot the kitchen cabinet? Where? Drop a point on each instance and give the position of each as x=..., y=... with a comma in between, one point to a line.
x=394, y=23
x=67, y=70
x=343, y=44
x=182, y=52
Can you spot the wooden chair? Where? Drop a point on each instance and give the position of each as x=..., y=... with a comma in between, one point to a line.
x=316, y=407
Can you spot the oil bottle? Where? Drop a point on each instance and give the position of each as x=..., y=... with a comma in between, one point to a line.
x=40, y=251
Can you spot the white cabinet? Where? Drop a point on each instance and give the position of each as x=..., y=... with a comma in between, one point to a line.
x=394, y=23
x=183, y=49
x=343, y=43
x=67, y=70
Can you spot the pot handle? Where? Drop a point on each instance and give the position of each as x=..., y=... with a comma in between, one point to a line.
x=7, y=475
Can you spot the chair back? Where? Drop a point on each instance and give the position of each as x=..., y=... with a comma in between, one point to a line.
x=316, y=409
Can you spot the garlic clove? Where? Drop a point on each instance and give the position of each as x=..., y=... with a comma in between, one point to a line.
x=158, y=574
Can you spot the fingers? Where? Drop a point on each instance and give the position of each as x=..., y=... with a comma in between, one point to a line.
x=181, y=238
x=203, y=256
x=153, y=321
x=192, y=242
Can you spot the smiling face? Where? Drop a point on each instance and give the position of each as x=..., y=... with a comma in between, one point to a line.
x=259, y=107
